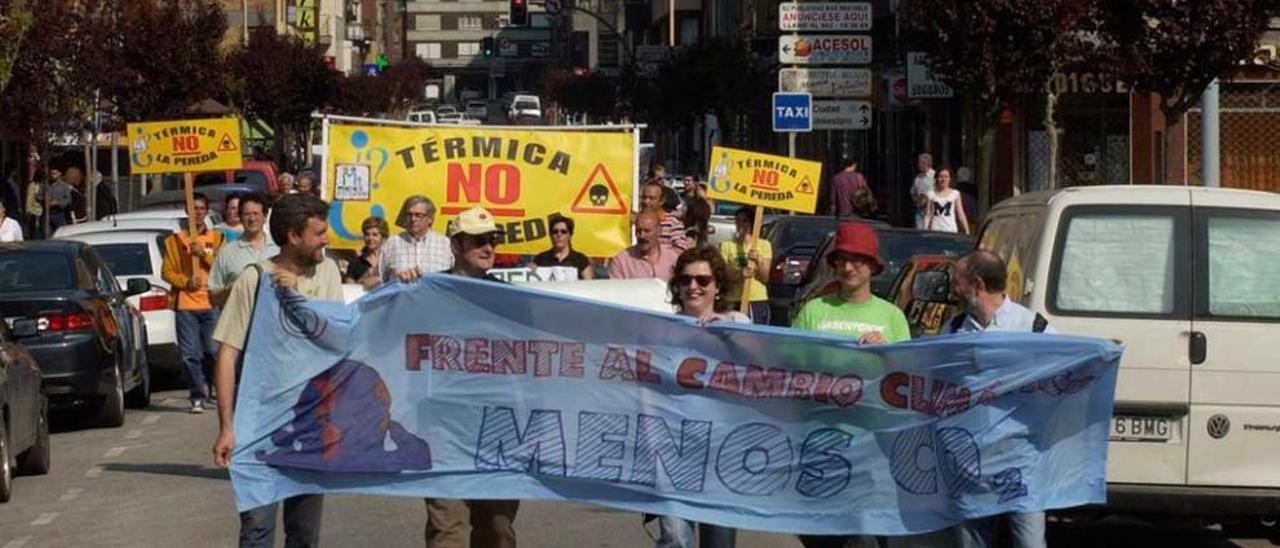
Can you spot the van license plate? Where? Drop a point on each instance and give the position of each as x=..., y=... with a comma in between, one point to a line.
x=1134, y=428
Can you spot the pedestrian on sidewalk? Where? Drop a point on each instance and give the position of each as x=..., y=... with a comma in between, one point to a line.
x=945, y=211
x=188, y=259
x=300, y=229
x=921, y=186
x=843, y=186
x=473, y=237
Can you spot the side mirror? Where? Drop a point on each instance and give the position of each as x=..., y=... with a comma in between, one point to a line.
x=23, y=329
x=136, y=286
x=931, y=285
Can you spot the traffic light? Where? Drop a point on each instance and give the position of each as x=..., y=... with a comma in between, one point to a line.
x=486, y=46
x=518, y=13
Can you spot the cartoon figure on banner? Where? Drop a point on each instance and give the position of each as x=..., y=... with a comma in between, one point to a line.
x=720, y=177
x=342, y=423
x=366, y=156
x=141, y=157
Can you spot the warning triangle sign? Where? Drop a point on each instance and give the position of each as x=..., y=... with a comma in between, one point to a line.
x=227, y=144
x=805, y=187
x=599, y=195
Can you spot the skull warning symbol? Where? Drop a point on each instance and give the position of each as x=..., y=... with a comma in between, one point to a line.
x=599, y=194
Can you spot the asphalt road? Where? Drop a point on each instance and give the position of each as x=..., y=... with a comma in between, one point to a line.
x=151, y=483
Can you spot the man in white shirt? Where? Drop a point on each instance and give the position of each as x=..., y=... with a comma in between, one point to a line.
x=979, y=278
x=418, y=250
x=921, y=186
x=10, y=230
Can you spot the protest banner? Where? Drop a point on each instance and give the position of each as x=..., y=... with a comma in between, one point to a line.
x=182, y=146
x=763, y=180
x=507, y=393
x=185, y=146
x=521, y=176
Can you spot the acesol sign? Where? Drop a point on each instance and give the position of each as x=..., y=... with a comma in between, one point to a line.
x=824, y=49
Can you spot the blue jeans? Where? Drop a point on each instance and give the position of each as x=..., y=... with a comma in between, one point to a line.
x=676, y=532
x=195, y=342
x=1026, y=530
x=301, y=523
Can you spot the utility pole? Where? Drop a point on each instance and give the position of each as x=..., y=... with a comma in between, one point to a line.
x=1210, y=171
x=671, y=23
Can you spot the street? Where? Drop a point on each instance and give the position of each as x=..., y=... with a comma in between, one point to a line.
x=151, y=483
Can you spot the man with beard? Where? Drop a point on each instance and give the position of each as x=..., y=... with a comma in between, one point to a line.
x=298, y=226
x=979, y=279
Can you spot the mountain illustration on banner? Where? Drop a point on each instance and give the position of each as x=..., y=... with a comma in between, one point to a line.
x=599, y=194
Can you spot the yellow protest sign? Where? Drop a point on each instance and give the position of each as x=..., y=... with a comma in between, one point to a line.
x=763, y=179
x=184, y=146
x=521, y=177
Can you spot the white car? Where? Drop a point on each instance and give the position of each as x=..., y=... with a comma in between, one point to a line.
x=478, y=110
x=170, y=219
x=139, y=253
x=422, y=116
x=447, y=110
x=525, y=105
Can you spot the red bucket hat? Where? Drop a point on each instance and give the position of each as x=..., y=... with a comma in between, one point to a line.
x=859, y=239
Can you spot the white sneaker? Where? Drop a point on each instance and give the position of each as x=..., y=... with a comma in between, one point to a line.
x=197, y=407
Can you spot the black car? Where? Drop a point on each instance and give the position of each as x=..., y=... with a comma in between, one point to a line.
x=897, y=246
x=24, y=422
x=89, y=341
x=795, y=239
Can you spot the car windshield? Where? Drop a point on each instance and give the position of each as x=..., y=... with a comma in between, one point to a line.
x=126, y=259
x=28, y=270
x=526, y=105
x=898, y=247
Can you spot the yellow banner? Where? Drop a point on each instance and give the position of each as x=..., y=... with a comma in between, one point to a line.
x=521, y=177
x=180, y=146
x=763, y=179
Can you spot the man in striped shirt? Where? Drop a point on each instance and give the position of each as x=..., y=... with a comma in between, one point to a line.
x=672, y=233
x=418, y=250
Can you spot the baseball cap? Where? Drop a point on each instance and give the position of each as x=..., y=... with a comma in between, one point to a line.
x=476, y=221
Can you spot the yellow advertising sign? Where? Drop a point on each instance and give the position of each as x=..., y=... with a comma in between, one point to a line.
x=763, y=179
x=521, y=177
x=184, y=145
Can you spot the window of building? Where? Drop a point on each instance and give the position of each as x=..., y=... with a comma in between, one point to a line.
x=426, y=22
x=428, y=51
x=470, y=22
x=468, y=48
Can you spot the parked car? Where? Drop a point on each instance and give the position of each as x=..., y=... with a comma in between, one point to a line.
x=795, y=238
x=446, y=110
x=478, y=110
x=90, y=342
x=24, y=423
x=421, y=116
x=449, y=117
x=217, y=186
x=922, y=290
x=897, y=246
x=140, y=254
x=168, y=217
x=1188, y=278
x=525, y=105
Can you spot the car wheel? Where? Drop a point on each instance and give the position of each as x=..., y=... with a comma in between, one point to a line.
x=112, y=413
x=6, y=465
x=140, y=396
x=35, y=461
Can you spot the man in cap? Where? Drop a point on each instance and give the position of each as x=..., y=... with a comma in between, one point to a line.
x=853, y=310
x=473, y=235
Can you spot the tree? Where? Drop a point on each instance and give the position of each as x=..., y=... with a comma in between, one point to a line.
x=999, y=54
x=155, y=58
x=15, y=19
x=718, y=76
x=391, y=93
x=279, y=81
x=1176, y=48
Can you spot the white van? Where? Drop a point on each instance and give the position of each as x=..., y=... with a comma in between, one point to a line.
x=1188, y=278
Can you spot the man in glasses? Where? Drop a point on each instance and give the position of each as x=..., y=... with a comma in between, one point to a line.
x=418, y=250
x=852, y=310
x=473, y=236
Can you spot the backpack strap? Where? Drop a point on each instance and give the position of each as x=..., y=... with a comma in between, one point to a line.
x=248, y=330
x=958, y=321
x=1039, y=324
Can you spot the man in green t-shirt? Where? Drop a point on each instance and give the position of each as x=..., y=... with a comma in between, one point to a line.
x=853, y=311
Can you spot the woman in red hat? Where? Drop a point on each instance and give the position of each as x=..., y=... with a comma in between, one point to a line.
x=854, y=311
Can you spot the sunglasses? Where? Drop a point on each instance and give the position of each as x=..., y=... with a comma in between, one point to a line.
x=483, y=239
x=702, y=279
x=559, y=231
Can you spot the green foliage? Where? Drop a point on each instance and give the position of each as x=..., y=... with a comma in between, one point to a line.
x=15, y=19
x=279, y=80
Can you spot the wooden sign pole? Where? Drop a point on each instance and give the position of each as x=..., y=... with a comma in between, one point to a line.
x=189, y=192
x=744, y=303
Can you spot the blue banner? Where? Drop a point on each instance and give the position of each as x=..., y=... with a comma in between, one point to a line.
x=459, y=388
